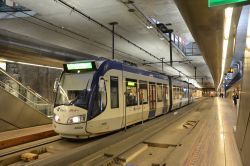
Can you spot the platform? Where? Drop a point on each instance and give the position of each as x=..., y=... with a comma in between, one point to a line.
x=211, y=142
x=203, y=136
x=200, y=134
x=20, y=136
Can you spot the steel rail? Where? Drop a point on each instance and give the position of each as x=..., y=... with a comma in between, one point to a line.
x=27, y=146
x=109, y=160
x=94, y=146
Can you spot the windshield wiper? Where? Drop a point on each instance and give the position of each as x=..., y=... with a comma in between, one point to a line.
x=78, y=96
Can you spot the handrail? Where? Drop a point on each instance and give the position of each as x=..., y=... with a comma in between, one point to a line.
x=15, y=88
x=1, y=119
x=18, y=93
x=35, y=94
x=41, y=107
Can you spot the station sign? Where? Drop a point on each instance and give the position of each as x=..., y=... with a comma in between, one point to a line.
x=79, y=67
x=212, y=3
x=131, y=83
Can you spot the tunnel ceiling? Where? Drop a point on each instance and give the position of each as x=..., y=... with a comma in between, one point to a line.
x=206, y=25
x=57, y=24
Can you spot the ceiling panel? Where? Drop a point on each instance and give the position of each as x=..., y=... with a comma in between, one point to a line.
x=88, y=37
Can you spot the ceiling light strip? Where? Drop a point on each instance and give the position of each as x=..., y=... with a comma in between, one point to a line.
x=226, y=36
x=31, y=64
x=248, y=35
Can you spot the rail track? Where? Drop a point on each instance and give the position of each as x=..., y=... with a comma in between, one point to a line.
x=104, y=150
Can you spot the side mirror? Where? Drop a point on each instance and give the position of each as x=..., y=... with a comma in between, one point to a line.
x=101, y=84
x=56, y=84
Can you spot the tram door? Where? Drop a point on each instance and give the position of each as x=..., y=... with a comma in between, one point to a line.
x=152, y=100
x=165, y=99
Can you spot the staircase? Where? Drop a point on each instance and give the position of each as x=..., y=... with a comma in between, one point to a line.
x=20, y=106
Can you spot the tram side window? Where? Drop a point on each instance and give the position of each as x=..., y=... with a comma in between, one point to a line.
x=143, y=92
x=180, y=93
x=190, y=93
x=185, y=91
x=177, y=96
x=131, y=92
x=175, y=92
x=165, y=92
x=159, y=92
x=114, y=92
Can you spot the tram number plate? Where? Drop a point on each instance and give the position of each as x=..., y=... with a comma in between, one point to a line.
x=78, y=127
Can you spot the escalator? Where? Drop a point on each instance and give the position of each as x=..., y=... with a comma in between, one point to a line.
x=20, y=106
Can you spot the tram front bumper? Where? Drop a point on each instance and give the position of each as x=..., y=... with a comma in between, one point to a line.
x=71, y=130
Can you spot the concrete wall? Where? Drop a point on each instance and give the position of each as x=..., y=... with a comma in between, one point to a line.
x=40, y=79
x=243, y=123
x=15, y=113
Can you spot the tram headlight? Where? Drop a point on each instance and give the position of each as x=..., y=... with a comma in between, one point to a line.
x=76, y=119
x=56, y=118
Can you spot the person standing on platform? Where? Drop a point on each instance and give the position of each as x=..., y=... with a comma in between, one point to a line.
x=235, y=97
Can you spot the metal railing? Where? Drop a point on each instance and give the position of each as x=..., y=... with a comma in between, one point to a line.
x=191, y=49
x=27, y=95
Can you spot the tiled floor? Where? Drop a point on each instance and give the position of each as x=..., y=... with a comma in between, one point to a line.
x=216, y=145
x=212, y=142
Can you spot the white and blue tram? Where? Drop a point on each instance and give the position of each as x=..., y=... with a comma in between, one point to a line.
x=96, y=97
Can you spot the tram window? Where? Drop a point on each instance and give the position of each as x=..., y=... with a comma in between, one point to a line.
x=159, y=92
x=143, y=92
x=72, y=94
x=182, y=93
x=99, y=101
x=165, y=92
x=176, y=92
x=114, y=92
x=179, y=93
x=131, y=92
x=185, y=91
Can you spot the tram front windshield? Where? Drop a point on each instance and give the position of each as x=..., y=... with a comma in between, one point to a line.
x=73, y=89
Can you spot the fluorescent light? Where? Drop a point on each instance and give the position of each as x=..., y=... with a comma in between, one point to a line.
x=3, y=65
x=227, y=28
x=228, y=12
x=149, y=26
x=30, y=64
x=227, y=22
x=248, y=34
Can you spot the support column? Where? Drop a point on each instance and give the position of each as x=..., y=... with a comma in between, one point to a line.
x=113, y=38
x=195, y=68
x=188, y=92
x=170, y=93
x=162, y=63
x=170, y=47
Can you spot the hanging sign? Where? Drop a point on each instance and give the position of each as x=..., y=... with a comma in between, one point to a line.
x=212, y=3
